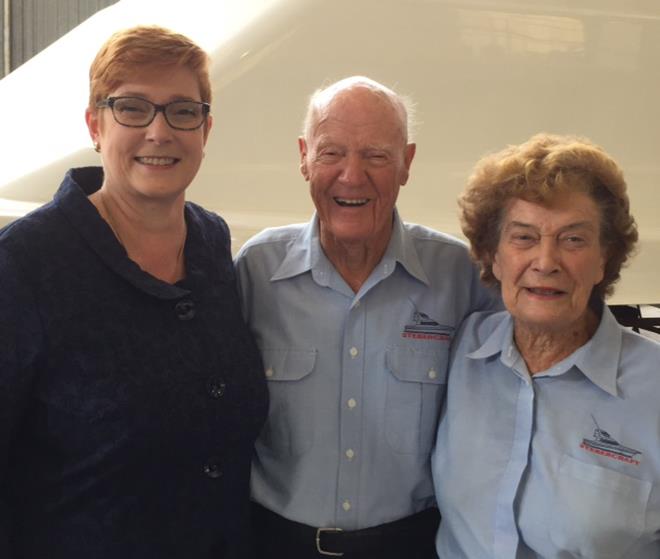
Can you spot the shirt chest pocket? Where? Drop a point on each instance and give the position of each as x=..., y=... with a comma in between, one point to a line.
x=289, y=429
x=415, y=388
x=598, y=513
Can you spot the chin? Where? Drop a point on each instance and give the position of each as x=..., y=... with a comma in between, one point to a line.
x=350, y=235
x=548, y=322
x=161, y=191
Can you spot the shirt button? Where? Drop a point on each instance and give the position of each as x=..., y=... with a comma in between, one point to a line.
x=351, y=403
x=346, y=505
x=185, y=309
x=353, y=351
x=357, y=304
x=212, y=468
x=433, y=374
x=269, y=372
x=350, y=454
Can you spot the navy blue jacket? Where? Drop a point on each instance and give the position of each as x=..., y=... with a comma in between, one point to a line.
x=128, y=406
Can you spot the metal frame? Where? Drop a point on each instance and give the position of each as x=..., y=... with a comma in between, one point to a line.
x=6, y=37
x=631, y=316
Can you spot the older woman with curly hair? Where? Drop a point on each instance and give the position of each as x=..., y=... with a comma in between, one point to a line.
x=548, y=445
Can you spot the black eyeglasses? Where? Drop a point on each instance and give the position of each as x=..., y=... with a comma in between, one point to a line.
x=138, y=113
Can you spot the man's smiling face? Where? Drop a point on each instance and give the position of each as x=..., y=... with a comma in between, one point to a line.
x=356, y=159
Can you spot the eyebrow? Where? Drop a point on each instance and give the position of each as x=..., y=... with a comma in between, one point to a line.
x=386, y=148
x=141, y=95
x=569, y=227
x=324, y=143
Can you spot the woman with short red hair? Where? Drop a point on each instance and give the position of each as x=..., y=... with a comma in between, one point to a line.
x=131, y=392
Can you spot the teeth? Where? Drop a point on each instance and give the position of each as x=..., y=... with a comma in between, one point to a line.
x=156, y=160
x=540, y=291
x=351, y=201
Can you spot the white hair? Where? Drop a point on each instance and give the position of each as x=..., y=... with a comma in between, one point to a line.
x=322, y=97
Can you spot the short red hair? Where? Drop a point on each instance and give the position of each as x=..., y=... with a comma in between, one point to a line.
x=154, y=46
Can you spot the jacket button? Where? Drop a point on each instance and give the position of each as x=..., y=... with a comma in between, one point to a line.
x=217, y=388
x=185, y=309
x=212, y=468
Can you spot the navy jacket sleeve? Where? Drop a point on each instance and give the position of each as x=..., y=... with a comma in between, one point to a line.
x=20, y=339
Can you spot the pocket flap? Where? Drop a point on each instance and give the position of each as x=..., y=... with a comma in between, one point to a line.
x=606, y=479
x=288, y=364
x=412, y=365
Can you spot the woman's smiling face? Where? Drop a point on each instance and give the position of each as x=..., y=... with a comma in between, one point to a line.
x=548, y=259
x=156, y=161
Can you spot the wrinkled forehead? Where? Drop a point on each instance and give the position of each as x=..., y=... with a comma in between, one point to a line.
x=360, y=107
x=563, y=210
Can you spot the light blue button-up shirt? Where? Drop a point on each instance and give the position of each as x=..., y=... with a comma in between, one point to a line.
x=356, y=379
x=564, y=464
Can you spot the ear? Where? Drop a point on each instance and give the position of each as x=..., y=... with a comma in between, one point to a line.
x=497, y=270
x=93, y=124
x=302, y=149
x=207, y=127
x=408, y=156
x=601, y=268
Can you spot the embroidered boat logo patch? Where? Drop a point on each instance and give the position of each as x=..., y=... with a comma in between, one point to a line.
x=423, y=327
x=604, y=444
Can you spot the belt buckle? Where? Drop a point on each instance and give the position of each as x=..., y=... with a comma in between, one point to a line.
x=319, y=531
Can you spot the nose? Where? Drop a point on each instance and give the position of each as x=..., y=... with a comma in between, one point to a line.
x=352, y=172
x=547, y=260
x=158, y=130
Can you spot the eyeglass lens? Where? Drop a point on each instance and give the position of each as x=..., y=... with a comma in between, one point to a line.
x=133, y=111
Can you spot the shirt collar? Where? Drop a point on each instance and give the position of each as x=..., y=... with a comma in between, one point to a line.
x=598, y=359
x=302, y=254
x=402, y=250
x=499, y=340
x=305, y=254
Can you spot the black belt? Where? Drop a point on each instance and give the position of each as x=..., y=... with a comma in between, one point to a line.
x=412, y=536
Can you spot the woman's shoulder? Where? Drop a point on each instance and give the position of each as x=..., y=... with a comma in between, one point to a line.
x=638, y=347
x=205, y=218
x=482, y=324
x=39, y=228
x=478, y=328
x=210, y=225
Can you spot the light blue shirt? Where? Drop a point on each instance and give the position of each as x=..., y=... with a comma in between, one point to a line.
x=356, y=379
x=564, y=464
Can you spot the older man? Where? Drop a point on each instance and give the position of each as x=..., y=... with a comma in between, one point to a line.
x=354, y=313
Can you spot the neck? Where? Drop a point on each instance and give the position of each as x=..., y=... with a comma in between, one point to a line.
x=541, y=348
x=152, y=233
x=354, y=261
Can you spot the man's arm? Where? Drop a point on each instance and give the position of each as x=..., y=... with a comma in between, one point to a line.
x=243, y=283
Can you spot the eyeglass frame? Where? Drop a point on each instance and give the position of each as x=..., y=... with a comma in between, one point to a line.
x=109, y=103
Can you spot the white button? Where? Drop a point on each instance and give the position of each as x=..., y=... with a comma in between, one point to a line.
x=350, y=454
x=269, y=372
x=357, y=304
x=351, y=403
x=433, y=374
x=353, y=351
x=346, y=505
